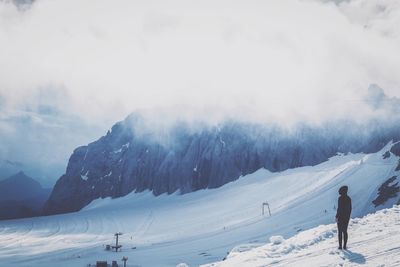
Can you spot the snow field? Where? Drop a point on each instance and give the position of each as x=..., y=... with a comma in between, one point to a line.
x=373, y=241
x=203, y=226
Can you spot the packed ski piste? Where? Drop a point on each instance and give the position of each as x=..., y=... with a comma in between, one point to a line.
x=227, y=226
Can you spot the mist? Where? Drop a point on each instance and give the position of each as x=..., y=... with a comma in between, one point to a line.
x=73, y=68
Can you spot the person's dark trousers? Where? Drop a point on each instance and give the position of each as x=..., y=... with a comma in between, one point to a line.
x=342, y=232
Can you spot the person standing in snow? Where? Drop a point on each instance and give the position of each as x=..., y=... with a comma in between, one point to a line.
x=343, y=216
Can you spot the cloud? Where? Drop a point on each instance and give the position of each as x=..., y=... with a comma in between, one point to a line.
x=41, y=141
x=378, y=100
x=281, y=60
x=289, y=60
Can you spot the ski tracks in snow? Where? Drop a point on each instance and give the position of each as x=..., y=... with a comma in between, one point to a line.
x=145, y=225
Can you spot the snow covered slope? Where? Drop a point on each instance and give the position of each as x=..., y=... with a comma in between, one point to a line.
x=374, y=241
x=200, y=227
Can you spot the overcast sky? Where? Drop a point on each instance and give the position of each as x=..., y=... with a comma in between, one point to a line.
x=71, y=68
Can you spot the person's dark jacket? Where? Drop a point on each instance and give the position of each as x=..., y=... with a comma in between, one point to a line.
x=344, y=208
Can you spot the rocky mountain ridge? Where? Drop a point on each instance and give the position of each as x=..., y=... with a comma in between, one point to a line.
x=131, y=157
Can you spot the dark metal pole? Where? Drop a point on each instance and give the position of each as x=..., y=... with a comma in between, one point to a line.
x=124, y=259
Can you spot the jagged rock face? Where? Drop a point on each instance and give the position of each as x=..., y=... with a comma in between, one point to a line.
x=130, y=159
x=387, y=190
x=386, y=155
x=396, y=151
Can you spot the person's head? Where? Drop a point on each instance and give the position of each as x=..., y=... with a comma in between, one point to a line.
x=343, y=190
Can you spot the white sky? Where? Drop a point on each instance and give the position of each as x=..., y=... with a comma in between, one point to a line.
x=281, y=59
x=285, y=61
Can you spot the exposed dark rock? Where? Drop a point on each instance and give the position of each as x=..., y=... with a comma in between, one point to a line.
x=386, y=155
x=396, y=149
x=131, y=157
x=386, y=191
x=398, y=167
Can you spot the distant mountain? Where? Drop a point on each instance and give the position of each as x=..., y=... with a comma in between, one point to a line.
x=23, y=2
x=19, y=187
x=21, y=196
x=8, y=168
x=134, y=157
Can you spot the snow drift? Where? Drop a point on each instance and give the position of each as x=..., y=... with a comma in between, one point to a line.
x=373, y=242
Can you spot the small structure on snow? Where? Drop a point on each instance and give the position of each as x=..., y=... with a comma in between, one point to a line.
x=263, y=205
x=101, y=264
x=117, y=246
